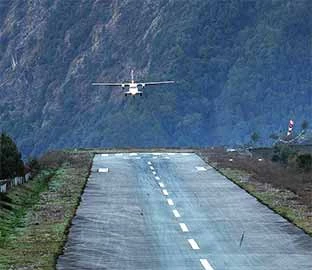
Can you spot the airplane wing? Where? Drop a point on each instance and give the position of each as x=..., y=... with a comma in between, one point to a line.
x=111, y=84
x=155, y=83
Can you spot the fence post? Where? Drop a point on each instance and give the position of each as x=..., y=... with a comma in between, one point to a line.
x=7, y=184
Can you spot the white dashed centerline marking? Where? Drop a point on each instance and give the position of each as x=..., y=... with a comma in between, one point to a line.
x=201, y=169
x=206, y=264
x=184, y=228
x=176, y=213
x=170, y=202
x=193, y=244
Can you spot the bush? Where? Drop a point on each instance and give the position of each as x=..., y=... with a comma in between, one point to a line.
x=282, y=154
x=304, y=161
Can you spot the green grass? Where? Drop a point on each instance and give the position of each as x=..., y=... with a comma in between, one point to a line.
x=16, y=203
x=36, y=218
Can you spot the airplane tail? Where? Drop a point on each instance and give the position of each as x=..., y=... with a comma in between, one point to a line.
x=132, y=75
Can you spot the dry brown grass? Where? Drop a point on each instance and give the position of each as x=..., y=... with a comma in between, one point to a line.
x=285, y=189
x=56, y=159
x=265, y=171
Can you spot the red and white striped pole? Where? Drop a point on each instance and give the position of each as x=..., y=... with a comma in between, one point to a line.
x=290, y=127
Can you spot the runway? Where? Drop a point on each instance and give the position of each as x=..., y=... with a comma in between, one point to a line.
x=173, y=211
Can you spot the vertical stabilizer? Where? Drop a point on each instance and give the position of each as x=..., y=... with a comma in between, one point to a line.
x=132, y=75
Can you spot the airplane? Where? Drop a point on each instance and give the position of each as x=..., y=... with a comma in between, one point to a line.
x=133, y=87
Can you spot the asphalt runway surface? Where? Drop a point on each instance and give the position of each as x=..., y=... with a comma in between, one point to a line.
x=173, y=211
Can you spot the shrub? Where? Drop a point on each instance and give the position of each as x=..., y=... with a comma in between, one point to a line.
x=283, y=153
x=304, y=161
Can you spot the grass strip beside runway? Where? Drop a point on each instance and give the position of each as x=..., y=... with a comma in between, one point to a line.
x=35, y=217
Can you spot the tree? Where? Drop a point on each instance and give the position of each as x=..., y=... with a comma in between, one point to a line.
x=255, y=137
x=11, y=164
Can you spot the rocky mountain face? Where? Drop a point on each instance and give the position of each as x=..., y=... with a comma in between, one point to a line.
x=241, y=66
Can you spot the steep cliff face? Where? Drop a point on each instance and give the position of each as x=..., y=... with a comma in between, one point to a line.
x=241, y=66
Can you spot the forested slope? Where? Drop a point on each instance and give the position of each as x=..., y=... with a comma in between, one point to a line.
x=241, y=66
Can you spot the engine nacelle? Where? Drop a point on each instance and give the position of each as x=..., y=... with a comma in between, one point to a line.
x=142, y=85
x=123, y=86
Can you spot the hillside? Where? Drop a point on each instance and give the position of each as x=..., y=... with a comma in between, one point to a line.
x=241, y=66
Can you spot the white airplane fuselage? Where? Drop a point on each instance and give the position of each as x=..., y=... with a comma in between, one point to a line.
x=133, y=90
